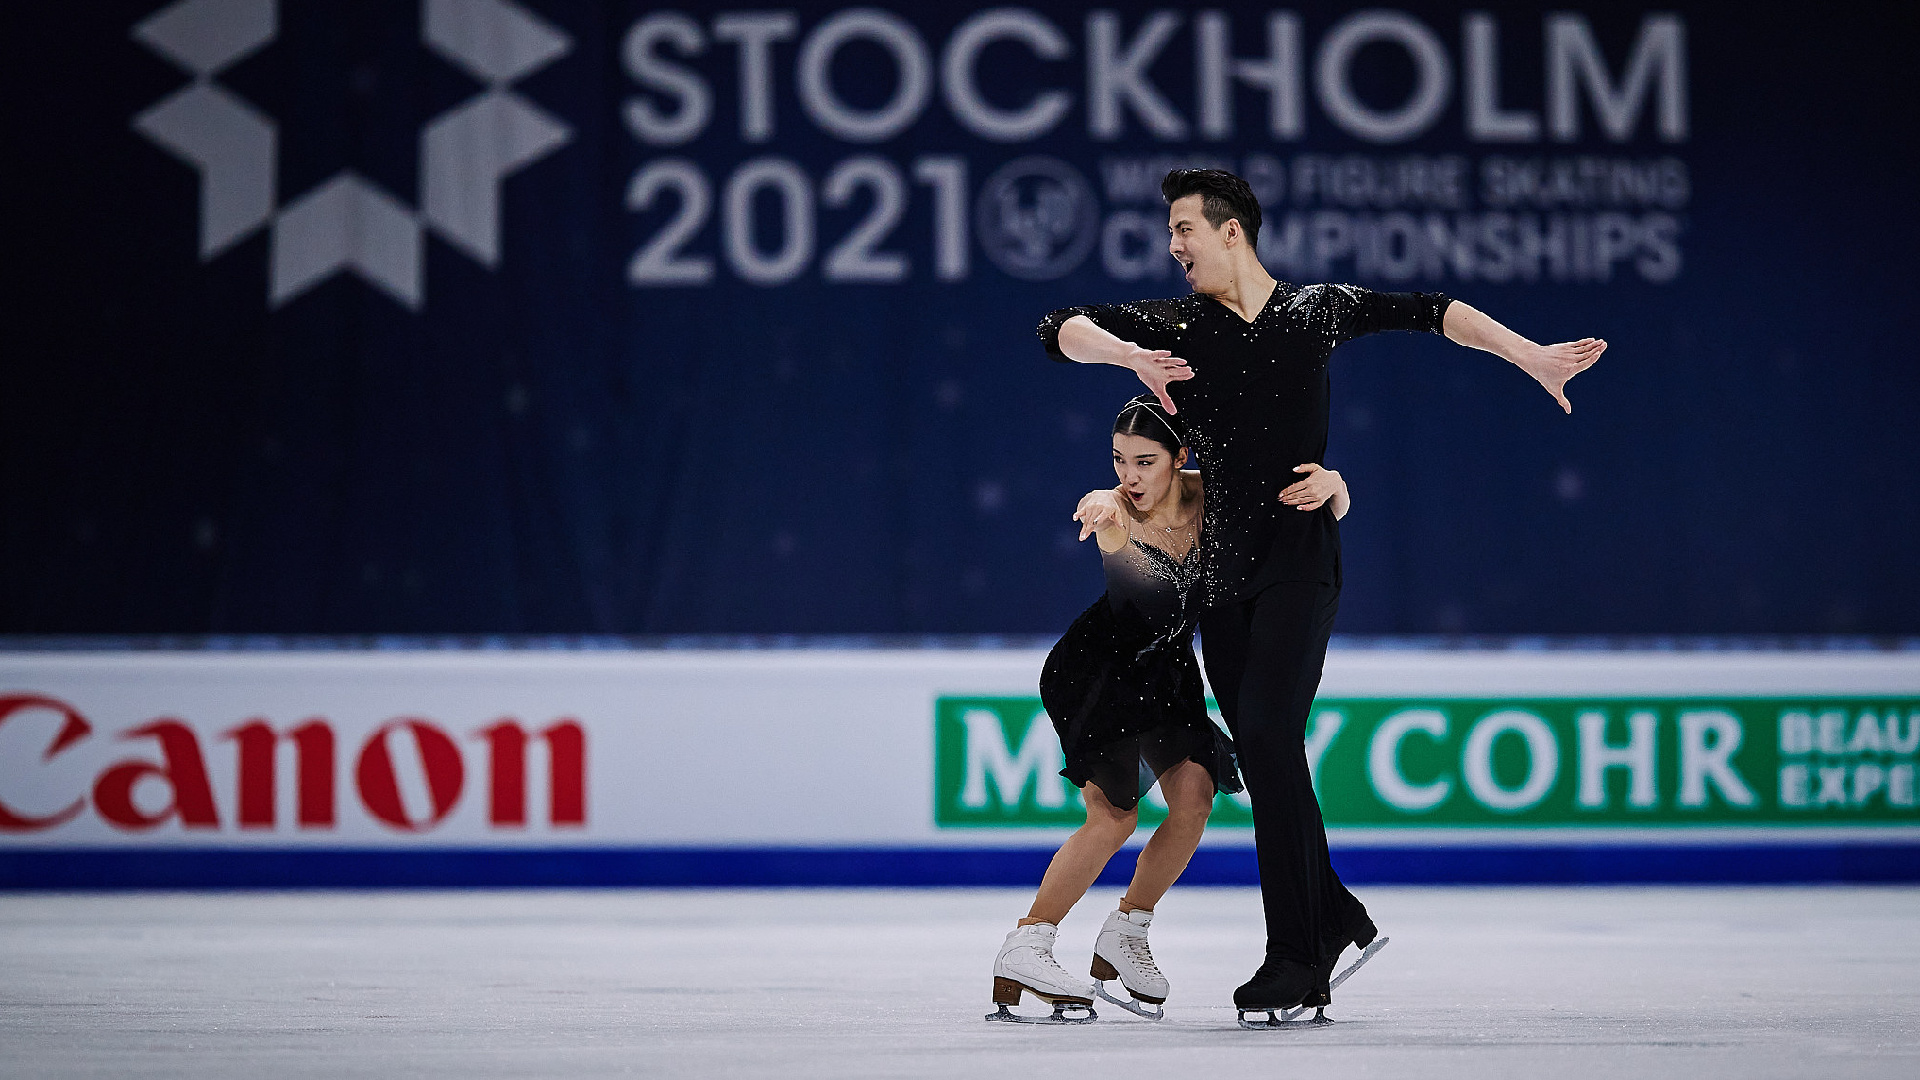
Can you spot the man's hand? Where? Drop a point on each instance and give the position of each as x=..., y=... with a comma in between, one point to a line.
x=1550, y=365
x=1099, y=510
x=1157, y=368
x=1553, y=365
x=1313, y=492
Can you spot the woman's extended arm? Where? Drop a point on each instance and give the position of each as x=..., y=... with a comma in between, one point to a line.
x=1099, y=513
x=1321, y=487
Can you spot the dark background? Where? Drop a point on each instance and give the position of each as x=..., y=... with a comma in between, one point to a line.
x=545, y=449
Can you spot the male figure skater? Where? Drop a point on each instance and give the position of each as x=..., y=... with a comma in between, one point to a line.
x=1242, y=362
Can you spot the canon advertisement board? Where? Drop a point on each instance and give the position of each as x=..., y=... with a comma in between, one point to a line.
x=886, y=766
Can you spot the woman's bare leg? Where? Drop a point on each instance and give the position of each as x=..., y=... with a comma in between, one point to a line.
x=1188, y=788
x=1083, y=856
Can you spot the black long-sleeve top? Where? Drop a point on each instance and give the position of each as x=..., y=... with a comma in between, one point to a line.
x=1255, y=408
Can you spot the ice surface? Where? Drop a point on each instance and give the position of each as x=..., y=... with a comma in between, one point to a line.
x=1562, y=983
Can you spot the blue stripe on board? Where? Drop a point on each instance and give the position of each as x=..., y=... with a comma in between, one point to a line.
x=389, y=868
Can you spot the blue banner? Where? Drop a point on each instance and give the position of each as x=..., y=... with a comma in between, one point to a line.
x=490, y=316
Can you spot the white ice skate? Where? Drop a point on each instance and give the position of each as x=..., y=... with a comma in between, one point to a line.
x=1285, y=1017
x=1026, y=963
x=1120, y=952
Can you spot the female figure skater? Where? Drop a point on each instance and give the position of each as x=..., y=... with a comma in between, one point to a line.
x=1124, y=692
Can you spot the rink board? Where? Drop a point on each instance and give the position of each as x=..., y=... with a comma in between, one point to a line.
x=919, y=767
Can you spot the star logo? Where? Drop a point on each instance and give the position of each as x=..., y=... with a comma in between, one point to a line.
x=347, y=222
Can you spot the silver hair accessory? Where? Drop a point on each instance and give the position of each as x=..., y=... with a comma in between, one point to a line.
x=1164, y=422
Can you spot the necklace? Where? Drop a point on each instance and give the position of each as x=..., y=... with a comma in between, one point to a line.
x=1181, y=529
x=1182, y=526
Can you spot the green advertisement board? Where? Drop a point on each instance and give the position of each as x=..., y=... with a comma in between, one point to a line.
x=1500, y=763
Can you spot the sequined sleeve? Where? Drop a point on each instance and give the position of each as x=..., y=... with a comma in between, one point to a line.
x=1150, y=324
x=1348, y=311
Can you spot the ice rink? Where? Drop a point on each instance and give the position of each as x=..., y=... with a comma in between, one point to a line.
x=1568, y=983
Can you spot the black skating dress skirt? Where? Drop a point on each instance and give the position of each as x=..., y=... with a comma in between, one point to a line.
x=1122, y=686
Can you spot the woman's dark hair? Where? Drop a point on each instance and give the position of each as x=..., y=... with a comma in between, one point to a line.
x=1222, y=196
x=1144, y=417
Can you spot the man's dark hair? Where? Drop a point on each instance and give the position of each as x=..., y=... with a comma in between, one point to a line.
x=1222, y=196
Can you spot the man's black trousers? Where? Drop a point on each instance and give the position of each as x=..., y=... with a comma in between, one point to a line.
x=1263, y=657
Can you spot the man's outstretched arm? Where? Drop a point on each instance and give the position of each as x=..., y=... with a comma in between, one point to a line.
x=1550, y=365
x=1084, y=342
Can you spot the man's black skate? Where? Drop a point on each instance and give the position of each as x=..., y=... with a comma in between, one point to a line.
x=1280, y=985
x=1318, y=996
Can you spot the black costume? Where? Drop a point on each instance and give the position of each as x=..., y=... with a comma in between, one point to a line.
x=1255, y=408
x=1122, y=685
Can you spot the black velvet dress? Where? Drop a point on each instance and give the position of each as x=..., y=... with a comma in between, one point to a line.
x=1122, y=686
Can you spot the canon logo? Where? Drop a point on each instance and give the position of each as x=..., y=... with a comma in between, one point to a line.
x=405, y=753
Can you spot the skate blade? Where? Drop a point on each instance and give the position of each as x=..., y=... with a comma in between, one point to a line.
x=1365, y=955
x=1059, y=1016
x=1136, y=1006
x=1284, y=1018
